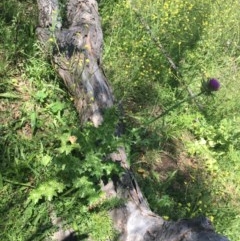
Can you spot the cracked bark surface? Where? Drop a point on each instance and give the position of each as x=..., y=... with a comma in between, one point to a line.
x=76, y=55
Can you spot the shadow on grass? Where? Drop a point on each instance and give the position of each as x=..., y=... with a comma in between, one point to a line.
x=175, y=185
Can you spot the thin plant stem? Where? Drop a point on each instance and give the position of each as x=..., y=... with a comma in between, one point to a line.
x=17, y=183
x=173, y=107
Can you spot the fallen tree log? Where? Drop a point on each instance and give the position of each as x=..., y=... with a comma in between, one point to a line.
x=76, y=52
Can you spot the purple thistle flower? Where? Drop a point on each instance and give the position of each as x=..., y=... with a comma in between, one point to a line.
x=213, y=84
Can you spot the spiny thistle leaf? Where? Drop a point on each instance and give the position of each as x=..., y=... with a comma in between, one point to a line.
x=46, y=190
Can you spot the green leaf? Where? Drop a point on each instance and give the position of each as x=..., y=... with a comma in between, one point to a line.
x=46, y=190
x=41, y=95
x=45, y=160
x=86, y=187
x=82, y=182
x=67, y=144
x=56, y=107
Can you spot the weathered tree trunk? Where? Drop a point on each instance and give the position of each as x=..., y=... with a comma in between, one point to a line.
x=76, y=54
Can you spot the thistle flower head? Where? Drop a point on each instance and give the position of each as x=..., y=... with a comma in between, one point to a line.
x=213, y=84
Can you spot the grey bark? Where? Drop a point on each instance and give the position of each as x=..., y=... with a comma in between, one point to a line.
x=76, y=54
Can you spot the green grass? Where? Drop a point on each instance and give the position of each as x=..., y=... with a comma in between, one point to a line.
x=47, y=158
x=187, y=161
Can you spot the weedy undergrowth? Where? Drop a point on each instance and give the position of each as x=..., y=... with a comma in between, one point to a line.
x=186, y=160
x=47, y=158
